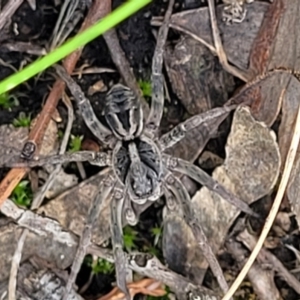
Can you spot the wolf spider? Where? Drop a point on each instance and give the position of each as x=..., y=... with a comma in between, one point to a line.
x=139, y=170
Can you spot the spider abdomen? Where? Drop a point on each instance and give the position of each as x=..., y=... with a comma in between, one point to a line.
x=138, y=166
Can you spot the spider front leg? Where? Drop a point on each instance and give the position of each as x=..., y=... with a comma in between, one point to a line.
x=100, y=159
x=86, y=110
x=189, y=169
x=175, y=135
x=182, y=198
x=157, y=99
x=117, y=240
x=85, y=240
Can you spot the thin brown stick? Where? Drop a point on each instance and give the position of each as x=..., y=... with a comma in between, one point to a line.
x=120, y=60
x=145, y=286
x=261, y=49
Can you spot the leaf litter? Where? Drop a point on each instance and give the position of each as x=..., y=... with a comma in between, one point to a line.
x=250, y=170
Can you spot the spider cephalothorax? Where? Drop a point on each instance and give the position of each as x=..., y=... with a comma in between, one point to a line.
x=123, y=113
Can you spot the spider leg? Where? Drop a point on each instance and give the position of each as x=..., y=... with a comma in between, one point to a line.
x=101, y=159
x=86, y=110
x=189, y=169
x=173, y=185
x=121, y=264
x=149, y=266
x=129, y=212
x=157, y=99
x=178, y=132
x=85, y=239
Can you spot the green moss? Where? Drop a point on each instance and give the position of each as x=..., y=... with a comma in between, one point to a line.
x=22, y=194
x=22, y=120
x=129, y=238
x=75, y=143
x=146, y=87
x=8, y=101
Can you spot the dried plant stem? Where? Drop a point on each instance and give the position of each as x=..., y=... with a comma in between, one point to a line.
x=12, y=284
x=219, y=46
x=273, y=212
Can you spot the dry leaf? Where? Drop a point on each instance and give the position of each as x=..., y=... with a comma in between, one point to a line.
x=190, y=64
x=250, y=171
x=237, y=38
x=38, y=282
x=12, y=140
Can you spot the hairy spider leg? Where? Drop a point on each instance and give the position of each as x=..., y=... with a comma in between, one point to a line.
x=157, y=99
x=191, y=170
x=180, y=195
x=96, y=127
x=179, y=132
x=150, y=266
x=117, y=240
x=105, y=190
x=101, y=159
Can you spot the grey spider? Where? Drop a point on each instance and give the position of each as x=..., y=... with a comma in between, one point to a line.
x=139, y=170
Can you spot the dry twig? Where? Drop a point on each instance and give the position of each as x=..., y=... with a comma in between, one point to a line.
x=266, y=257
x=219, y=46
x=273, y=212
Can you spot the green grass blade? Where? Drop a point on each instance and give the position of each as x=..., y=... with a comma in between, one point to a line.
x=110, y=21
